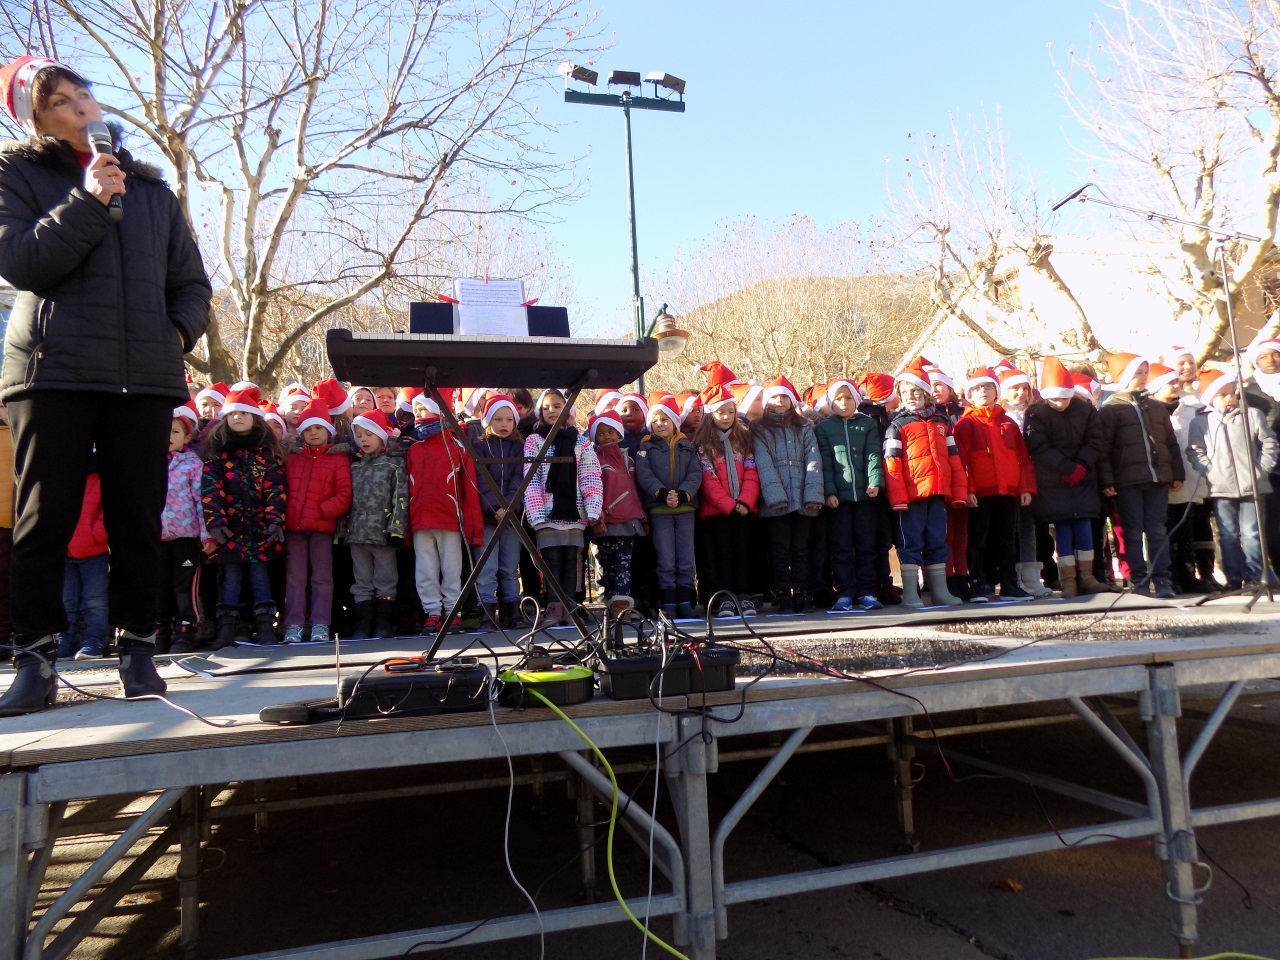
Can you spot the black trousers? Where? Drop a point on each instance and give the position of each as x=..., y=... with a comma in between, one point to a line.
x=54, y=435
x=179, y=579
x=728, y=540
x=993, y=538
x=853, y=529
x=789, y=551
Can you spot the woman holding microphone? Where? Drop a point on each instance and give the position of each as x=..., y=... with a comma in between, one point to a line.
x=108, y=302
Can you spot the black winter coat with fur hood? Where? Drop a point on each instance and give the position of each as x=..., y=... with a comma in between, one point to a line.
x=102, y=306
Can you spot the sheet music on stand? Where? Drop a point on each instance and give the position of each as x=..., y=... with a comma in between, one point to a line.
x=491, y=308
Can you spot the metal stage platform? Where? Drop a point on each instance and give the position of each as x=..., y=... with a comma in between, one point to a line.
x=94, y=749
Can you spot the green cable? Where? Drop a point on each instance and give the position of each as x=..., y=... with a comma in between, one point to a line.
x=1214, y=956
x=613, y=819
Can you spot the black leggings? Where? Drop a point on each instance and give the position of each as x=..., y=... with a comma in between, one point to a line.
x=789, y=548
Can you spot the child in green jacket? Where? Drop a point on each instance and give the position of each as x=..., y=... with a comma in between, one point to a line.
x=852, y=477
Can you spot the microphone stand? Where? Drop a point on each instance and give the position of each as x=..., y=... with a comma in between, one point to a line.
x=1268, y=575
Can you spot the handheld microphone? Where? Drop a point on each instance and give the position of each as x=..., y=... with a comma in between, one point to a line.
x=1069, y=197
x=100, y=143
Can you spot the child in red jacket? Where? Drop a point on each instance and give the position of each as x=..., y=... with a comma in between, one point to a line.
x=84, y=583
x=924, y=474
x=318, y=483
x=730, y=496
x=444, y=512
x=622, y=518
x=1001, y=479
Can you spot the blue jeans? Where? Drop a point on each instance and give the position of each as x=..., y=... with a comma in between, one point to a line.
x=1238, y=538
x=1142, y=510
x=233, y=576
x=501, y=568
x=1073, y=536
x=673, y=543
x=84, y=598
x=922, y=532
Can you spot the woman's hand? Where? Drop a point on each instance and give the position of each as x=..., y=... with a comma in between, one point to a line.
x=104, y=179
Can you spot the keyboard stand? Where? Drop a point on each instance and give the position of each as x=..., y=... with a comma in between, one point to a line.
x=510, y=516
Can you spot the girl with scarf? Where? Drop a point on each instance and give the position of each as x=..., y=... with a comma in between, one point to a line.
x=730, y=494
x=668, y=474
x=562, y=499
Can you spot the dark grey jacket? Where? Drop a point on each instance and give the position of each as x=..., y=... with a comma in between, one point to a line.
x=102, y=306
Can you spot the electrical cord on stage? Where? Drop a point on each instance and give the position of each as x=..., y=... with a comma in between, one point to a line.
x=1249, y=896
x=653, y=813
x=613, y=821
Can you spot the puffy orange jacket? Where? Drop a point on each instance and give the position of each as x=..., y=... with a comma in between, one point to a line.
x=922, y=460
x=994, y=453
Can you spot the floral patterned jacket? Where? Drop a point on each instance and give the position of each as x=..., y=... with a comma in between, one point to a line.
x=243, y=489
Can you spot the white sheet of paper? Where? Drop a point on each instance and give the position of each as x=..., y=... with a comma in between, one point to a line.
x=491, y=309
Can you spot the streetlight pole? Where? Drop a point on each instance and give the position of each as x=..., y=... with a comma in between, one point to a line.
x=626, y=101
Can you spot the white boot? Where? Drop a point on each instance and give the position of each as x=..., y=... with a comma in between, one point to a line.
x=1029, y=579
x=911, y=586
x=935, y=575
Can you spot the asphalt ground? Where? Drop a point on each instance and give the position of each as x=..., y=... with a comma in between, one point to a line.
x=366, y=868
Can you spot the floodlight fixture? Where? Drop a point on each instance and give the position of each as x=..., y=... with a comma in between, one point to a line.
x=624, y=78
x=666, y=81
x=572, y=71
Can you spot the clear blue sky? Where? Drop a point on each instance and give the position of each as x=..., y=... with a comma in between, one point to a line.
x=794, y=108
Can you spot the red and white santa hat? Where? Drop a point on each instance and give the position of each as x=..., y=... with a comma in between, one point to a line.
x=1160, y=376
x=215, y=391
x=377, y=423
x=1171, y=354
x=336, y=399
x=688, y=401
x=937, y=375
x=667, y=405
x=745, y=394
x=271, y=413
x=1056, y=382
x=315, y=414
x=496, y=402
x=779, y=386
x=433, y=408
x=290, y=391
x=877, y=387
x=1255, y=349
x=606, y=398
x=1085, y=386
x=1003, y=363
x=17, y=82
x=1010, y=376
x=715, y=397
x=404, y=399
x=1123, y=367
x=243, y=401
x=915, y=375
x=718, y=375
x=473, y=399
x=245, y=385
x=1212, y=383
x=608, y=419
x=979, y=376
x=638, y=399
x=833, y=388
x=188, y=414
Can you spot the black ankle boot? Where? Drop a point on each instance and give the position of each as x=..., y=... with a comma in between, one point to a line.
x=264, y=617
x=670, y=606
x=510, y=615
x=384, y=617
x=184, y=638
x=489, y=617
x=34, y=686
x=227, y=617
x=137, y=667
x=164, y=636
x=362, y=627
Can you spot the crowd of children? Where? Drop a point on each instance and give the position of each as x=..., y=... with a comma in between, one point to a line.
x=362, y=510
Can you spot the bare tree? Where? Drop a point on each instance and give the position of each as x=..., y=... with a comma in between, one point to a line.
x=790, y=299
x=1181, y=100
x=323, y=146
x=962, y=213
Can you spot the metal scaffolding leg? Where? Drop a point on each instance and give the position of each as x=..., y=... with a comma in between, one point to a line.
x=587, y=836
x=902, y=754
x=191, y=812
x=1160, y=708
x=686, y=766
x=13, y=865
